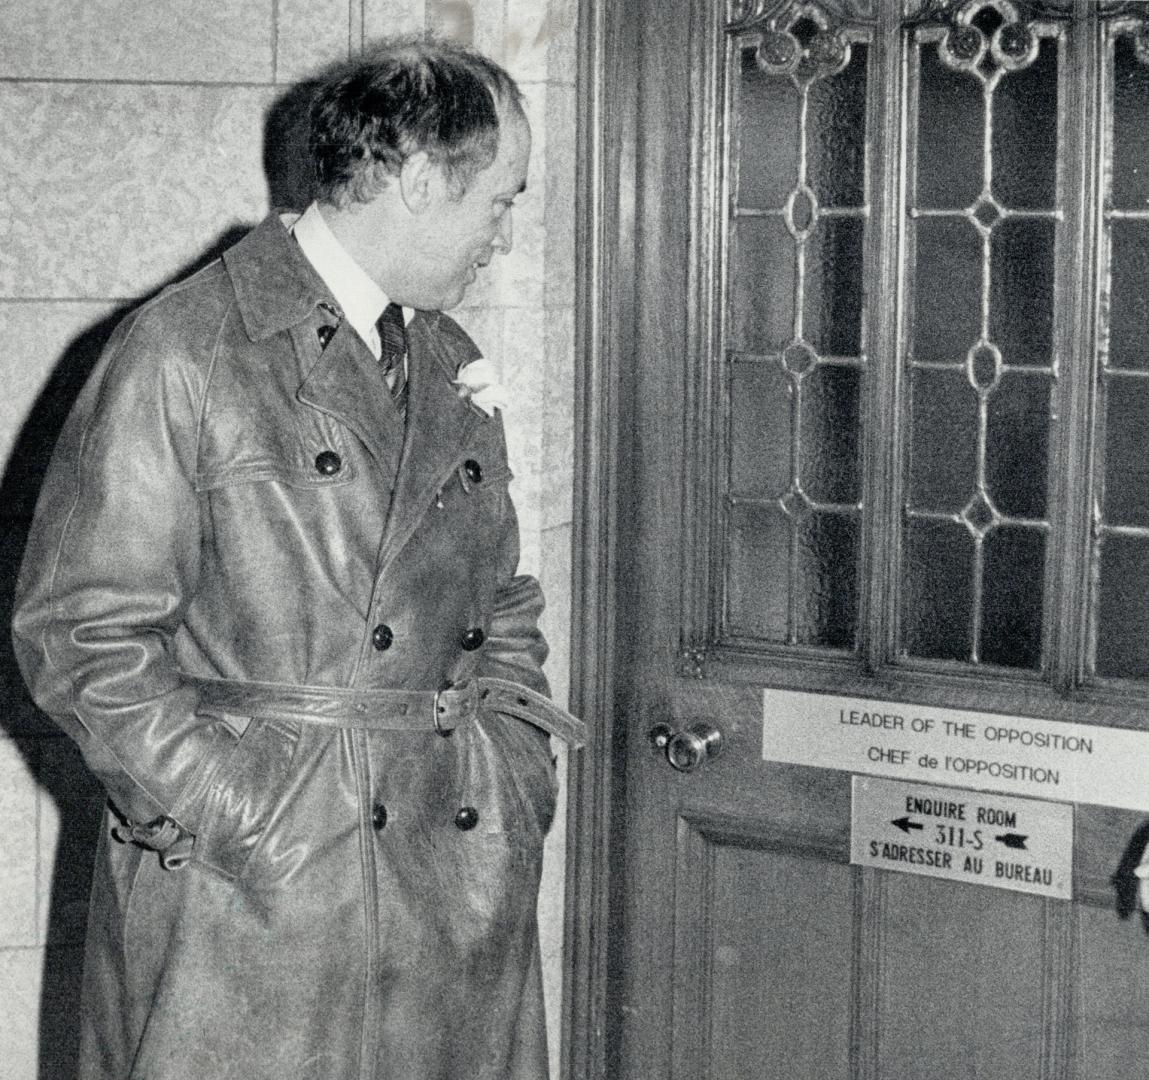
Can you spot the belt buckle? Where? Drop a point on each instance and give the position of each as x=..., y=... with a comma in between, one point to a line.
x=447, y=717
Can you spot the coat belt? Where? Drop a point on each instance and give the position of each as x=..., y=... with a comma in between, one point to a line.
x=391, y=710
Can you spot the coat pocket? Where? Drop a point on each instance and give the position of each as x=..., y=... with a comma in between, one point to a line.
x=244, y=797
x=531, y=781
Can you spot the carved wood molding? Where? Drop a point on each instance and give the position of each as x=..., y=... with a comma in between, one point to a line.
x=605, y=131
x=747, y=14
x=949, y=11
x=954, y=12
x=703, y=344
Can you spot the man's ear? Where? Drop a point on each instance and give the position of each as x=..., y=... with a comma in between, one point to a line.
x=421, y=182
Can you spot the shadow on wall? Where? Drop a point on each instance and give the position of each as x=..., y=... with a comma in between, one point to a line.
x=54, y=762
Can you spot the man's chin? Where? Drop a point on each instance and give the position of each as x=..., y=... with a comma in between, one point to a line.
x=454, y=298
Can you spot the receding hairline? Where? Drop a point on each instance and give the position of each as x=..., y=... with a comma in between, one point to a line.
x=351, y=154
x=421, y=50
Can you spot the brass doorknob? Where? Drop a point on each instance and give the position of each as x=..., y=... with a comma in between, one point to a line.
x=688, y=749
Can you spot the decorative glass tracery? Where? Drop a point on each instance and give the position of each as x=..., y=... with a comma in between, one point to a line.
x=984, y=213
x=795, y=329
x=996, y=418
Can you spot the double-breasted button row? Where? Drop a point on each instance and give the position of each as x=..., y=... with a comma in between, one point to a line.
x=466, y=818
x=328, y=463
x=383, y=636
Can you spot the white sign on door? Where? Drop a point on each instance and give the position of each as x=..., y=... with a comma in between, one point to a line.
x=1047, y=759
x=1019, y=844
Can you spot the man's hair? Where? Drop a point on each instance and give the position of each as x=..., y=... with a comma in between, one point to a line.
x=369, y=115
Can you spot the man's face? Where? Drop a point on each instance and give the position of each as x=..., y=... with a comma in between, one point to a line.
x=462, y=233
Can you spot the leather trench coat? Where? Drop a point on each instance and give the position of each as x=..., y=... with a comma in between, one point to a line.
x=282, y=894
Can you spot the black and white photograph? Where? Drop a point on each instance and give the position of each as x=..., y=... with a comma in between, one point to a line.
x=574, y=539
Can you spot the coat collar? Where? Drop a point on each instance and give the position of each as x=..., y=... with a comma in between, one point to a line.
x=277, y=290
x=275, y=286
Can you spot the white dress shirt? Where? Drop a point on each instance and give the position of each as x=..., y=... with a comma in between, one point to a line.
x=360, y=298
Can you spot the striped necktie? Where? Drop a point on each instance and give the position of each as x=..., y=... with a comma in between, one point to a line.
x=393, y=348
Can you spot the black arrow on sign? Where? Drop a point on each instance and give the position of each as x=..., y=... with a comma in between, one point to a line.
x=905, y=824
x=1012, y=839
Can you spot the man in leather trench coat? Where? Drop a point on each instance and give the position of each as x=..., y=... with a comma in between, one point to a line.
x=271, y=592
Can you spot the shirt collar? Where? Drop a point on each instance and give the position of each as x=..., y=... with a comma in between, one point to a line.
x=360, y=298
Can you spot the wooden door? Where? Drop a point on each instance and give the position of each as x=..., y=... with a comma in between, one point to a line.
x=864, y=413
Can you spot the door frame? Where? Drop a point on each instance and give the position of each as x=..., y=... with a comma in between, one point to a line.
x=604, y=336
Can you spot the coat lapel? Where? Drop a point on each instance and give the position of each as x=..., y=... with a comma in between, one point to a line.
x=345, y=383
x=439, y=424
x=277, y=289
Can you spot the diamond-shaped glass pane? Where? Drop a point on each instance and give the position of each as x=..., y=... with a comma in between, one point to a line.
x=979, y=515
x=987, y=213
x=795, y=504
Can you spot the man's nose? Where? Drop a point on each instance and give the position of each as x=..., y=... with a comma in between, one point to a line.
x=504, y=236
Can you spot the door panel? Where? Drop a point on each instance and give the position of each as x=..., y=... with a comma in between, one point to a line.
x=962, y=981
x=1112, y=970
x=867, y=442
x=779, y=994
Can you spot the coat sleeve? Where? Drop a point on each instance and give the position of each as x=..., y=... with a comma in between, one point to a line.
x=515, y=648
x=111, y=563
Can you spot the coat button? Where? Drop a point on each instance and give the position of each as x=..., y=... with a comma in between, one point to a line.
x=381, y=637
x=466, y=819
x=328, y=463
x=325, y=334
x=473, y=470
x=379, y=815
x=473, y=638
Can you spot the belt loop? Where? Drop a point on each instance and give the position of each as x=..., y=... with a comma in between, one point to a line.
x=453, y=704
x=442, y=725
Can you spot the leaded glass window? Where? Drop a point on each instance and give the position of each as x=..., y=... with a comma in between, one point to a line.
x=796, y=336
x=932, y=312
x=983, y=221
